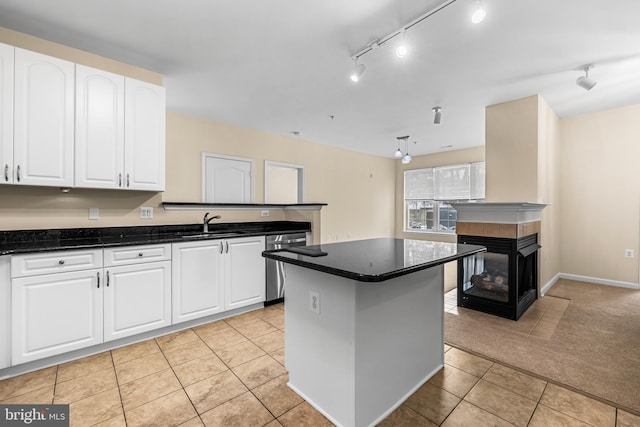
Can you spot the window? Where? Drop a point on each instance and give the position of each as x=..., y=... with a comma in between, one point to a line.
x=427, y=193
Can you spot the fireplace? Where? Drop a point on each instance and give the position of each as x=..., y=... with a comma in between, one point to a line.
x=504, y=280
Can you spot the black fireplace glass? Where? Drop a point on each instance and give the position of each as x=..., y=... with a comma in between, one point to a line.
x=486, y=275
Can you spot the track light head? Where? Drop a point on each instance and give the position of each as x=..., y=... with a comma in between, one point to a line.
x=358, y=71
x=584, y=81
x=479, y=13
x=437, y=115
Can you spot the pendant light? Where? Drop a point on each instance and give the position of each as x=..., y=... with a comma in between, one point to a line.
x=407, y=157
x=398, y=154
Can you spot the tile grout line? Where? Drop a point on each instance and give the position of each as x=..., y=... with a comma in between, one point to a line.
x=180, y=382
x=115, y=373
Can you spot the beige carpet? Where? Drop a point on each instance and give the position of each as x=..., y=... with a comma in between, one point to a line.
x=581, y=335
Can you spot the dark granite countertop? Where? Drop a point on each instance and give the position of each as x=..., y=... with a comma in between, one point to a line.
x=374, y=260
x=24, y=241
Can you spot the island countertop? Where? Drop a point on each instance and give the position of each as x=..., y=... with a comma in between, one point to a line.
x=374, y=260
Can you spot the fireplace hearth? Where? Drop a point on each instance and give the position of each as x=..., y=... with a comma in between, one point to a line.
x=504, y=280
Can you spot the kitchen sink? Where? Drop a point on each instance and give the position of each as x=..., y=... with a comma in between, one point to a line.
x=211, y=235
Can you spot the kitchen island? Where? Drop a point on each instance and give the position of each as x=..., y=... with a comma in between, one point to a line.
x=364, y=322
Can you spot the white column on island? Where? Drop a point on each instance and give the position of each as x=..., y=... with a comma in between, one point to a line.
x=370, y=346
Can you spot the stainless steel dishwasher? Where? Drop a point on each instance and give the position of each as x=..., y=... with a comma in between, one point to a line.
x=276, y=279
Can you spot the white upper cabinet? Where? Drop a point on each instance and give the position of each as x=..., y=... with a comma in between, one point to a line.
x=6, y=113
x=144, y=136
x=99, y=156
x=43, y=120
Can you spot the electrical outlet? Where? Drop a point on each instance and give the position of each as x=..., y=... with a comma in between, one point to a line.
x=146, y=212
x=314, y=301
x=94, y=213
x=265, y=213
x=628, y=253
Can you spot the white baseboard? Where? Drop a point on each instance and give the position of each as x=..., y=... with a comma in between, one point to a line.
x=550, y=283
x=595, y=280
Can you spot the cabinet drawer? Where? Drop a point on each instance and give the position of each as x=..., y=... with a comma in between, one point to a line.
x=124, y=255
x=55, y=262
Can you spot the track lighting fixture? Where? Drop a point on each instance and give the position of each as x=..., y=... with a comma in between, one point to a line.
x=584, y=81
x=401, y=50
x=479, y=13
x=358, y=71
x=437, y=115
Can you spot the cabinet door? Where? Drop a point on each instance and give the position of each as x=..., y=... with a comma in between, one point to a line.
x=99, y=153
x=137, y=298
x=196, y=279
x=6, y=113
x=144, y=136
x=245, y=272
x=44, y=109
x=55, y=313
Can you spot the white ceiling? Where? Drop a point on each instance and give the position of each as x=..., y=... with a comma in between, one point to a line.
x=284, y=65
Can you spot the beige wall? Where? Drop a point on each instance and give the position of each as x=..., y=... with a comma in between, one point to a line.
x=511, y=145
x=522, y=145
x=358, y=188
x=469, y=155
x=549, y=192
x=600, y=180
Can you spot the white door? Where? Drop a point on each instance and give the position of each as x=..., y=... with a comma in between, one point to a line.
x=6, y=113
x=245, y=272
x=197, y=279
x=55, y=313
x=144, y=136
x=44, y=110
x=137, y=298
x=99, y=153
x=227, y=180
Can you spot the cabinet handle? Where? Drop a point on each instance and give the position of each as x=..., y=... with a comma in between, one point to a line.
x=18, y=173
x=127, y=180
x=140, y=254
x=61, y=262
x=98, y=280
x=107, y=279
x=221, y=247
x=227, y=244
x=120, y=179
x=6, y=173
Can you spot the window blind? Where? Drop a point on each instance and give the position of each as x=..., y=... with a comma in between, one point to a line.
x=452, y=182
x=418, y=184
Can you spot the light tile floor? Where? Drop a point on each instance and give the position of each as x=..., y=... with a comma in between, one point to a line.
x=231, y=373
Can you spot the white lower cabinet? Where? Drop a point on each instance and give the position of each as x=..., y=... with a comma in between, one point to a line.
x=137, y=298
x=197, y=279
x=216, y=275
x=67, y=300
x=245, y=267
x=55, y=313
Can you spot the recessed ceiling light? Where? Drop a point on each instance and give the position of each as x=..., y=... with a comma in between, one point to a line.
x=401, y=51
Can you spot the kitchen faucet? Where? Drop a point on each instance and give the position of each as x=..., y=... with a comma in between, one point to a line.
x=206, y=220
